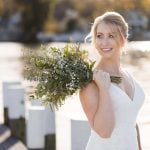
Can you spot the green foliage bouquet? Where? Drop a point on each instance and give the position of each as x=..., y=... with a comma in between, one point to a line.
x=58, y=72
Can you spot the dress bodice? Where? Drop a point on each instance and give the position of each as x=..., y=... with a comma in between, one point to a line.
x=124, y=136
x=125, y=108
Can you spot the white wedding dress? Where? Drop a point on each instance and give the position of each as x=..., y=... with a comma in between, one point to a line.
x=124, y=136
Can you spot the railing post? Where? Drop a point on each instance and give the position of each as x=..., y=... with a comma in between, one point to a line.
x=50, y=138
x=72, y=127
x=16, y=111
x=36, y=128
x=71, y=133
x=6, y=97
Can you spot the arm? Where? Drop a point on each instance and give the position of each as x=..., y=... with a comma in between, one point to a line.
x=138, y=137
x=97, y=105
x=104, y=118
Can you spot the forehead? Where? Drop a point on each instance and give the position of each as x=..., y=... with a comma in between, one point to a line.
x=106, y=28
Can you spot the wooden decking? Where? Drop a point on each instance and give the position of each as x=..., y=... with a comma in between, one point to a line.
x=7, y=141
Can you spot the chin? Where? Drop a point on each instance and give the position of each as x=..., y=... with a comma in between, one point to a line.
x=107, y=54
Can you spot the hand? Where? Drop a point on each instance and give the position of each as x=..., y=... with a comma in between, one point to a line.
x=101, y=78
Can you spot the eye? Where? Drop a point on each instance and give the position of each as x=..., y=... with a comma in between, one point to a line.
x=99, y=36
x=111, y=36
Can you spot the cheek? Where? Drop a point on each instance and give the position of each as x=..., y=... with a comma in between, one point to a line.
x=120, y=42
x=118, y=45
x=97, y=47
x=115, y=43
x=97, y=44
x=97, y=41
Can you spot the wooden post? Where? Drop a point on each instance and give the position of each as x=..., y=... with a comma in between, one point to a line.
x=6, y=99
x=71, y=133
x=35, y=128
x=16, y=111
x=50, y=141
x=72, y=127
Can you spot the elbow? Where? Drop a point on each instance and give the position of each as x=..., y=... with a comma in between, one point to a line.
x=105, y=133
x=103, y=130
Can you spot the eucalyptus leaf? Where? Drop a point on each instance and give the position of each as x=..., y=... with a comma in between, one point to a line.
x=59, y=72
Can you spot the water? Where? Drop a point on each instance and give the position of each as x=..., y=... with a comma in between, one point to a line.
x=139, y=45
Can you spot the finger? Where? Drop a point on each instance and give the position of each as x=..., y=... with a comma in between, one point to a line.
x=93, y=77
x=107, y=77
x=101, y=71
x=104, y=74
x=95, y=71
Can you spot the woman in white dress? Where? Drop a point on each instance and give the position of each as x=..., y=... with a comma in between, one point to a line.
x=111, y=108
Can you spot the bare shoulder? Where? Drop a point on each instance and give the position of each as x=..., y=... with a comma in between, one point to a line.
x=88, y=91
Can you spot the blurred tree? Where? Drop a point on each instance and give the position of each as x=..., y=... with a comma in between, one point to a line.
x=88, y=10
x=52, y=6
x=123, y=5
x=9, y=8
x=50, y=15
x=100, y=6
x=61, y=7
x=34, y=15
x=1, y=7
x=137, y=4
x=145, y=5
x=81, y=7
x=145, y=8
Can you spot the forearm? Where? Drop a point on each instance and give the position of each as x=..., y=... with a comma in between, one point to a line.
x=104, y=117
x=138, y=137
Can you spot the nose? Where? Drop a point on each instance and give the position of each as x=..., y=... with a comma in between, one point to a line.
x=104, y=41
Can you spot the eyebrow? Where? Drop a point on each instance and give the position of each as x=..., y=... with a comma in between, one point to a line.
x=108, y=33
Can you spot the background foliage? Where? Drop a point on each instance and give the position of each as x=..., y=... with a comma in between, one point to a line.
x=51, y=15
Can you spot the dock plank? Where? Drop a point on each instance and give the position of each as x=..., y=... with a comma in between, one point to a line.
x=7, y=141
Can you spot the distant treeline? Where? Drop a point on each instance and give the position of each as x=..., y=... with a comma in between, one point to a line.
x=64, y=15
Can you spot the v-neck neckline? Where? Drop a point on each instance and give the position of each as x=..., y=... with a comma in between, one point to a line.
x=133, y=90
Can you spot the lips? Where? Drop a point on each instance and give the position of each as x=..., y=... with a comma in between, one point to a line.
x=106, y=49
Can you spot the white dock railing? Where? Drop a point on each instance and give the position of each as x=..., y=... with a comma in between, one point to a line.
x=40, y=127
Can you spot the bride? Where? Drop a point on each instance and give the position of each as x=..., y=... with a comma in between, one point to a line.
x=111, y=108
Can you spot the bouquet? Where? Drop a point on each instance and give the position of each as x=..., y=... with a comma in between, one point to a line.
x=58, y=72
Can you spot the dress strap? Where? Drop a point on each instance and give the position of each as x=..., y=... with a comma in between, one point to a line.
x=131, y=77
x=131, y=80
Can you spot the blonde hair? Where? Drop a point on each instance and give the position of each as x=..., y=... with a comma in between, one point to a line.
x=112, y=18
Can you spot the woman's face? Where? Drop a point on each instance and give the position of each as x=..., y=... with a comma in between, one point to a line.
x=107, y=40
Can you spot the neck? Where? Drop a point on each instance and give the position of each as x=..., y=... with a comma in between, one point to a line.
x=112, y=67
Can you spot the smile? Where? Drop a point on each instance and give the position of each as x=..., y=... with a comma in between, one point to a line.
x=106, y=49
